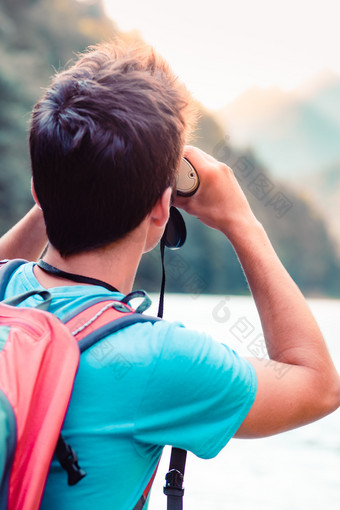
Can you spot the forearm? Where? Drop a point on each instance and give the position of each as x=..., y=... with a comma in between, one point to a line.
x=290, y=330
x=26, y=239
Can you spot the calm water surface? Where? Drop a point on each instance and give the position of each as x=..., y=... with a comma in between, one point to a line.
x=296, y=470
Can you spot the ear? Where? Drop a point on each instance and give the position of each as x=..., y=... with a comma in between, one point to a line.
x=34, y=195
x=160, y=212
x=156, y=220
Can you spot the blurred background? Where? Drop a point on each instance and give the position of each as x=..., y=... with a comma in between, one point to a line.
x=266, y=76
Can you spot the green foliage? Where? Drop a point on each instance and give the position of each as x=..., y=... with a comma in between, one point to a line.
x=36, y=37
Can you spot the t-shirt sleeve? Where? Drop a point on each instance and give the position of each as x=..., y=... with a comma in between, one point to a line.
x=198, y=394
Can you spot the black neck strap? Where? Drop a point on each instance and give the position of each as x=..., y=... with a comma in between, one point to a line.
x=161, y=294
x=74, y=277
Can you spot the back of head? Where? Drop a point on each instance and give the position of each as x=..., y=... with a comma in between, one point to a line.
x=105, y=141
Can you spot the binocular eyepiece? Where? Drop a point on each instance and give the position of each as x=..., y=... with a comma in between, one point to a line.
x=187, y=182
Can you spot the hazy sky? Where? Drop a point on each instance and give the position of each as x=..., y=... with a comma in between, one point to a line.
x=221, y=48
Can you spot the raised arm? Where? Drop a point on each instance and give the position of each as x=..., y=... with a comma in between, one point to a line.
x=26, y=239
x=310, y=387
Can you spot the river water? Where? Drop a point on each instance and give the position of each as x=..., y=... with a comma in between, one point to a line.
x=296, y=470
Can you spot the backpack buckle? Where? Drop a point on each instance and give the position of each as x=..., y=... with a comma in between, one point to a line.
x=173, y=483
x=69, y=461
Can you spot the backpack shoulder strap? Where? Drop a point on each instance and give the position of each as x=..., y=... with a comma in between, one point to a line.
x=101, y=317
x=6, y=271
x=112, y=326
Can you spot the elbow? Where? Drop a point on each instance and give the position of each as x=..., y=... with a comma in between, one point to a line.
x=336, y=393
x=330, y=399
x=323, y=393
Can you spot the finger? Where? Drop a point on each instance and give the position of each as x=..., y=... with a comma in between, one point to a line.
x=195, y=154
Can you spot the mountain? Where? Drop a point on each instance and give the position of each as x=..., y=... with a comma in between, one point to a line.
x=323, y=189
x=293, y=133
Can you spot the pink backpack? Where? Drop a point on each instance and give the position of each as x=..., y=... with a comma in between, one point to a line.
x=39, y=357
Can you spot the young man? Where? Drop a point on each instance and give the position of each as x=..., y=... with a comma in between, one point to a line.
x=106, y=142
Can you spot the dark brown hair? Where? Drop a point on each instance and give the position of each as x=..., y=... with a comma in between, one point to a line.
x=105, y=142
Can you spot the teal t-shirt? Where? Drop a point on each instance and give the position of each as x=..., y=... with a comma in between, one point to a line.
x=139, y=389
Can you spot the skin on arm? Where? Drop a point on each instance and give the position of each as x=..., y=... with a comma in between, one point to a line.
x=27, y=239
x=310, y=387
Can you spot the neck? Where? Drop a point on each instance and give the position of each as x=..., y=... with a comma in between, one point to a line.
x=115, y=264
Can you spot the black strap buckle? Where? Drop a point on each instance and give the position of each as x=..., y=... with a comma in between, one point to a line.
x=173, y=483
x=69, y=461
